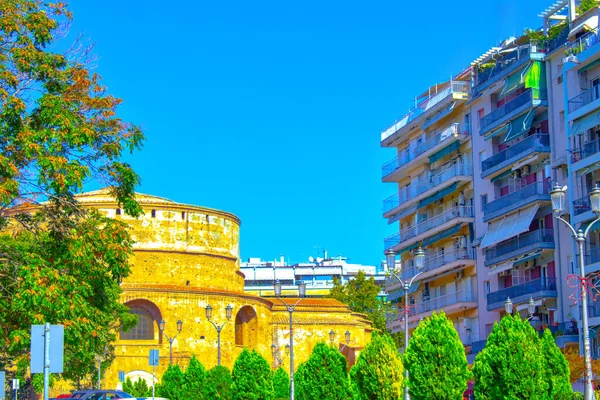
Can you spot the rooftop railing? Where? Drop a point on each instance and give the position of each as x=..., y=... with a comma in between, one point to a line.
x=503, y=64
x=411, y=154
x=536, y=188
x=533, y=286
x=538, y=236
x=423, y=104
x=583, y=42
x=526, y=145
x=586, y=97
x=506, y=109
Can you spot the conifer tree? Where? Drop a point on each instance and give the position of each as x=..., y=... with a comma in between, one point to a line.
x=171, y=383
x=141, y=389
x=436, y=360
x=251, y=377
x=194, y=380
x=218, y=384
x=556, y=369
x=281, y=384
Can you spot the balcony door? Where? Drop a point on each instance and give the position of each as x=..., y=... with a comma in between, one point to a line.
x=595, y=88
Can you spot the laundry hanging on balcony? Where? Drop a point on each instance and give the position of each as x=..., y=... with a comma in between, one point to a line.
x=535, y=79
x=520, y=125
x=509, y=226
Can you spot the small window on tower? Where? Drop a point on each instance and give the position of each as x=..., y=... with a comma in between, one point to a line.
x=183, y=215
x=153, y=213
x=118, y=211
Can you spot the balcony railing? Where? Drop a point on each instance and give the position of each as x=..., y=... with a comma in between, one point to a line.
x=436, y=179
x=438, y=261
x=586, y=97
x=423, y=104
x=411, y=154
x=525, y=240
x=528, y=145
x=588, y=149
x=435, y=221
x=444, y=301
x=581, y=205
x=536, y=188
x=506, y=109
x=533, y=286
x=584, y=42
x=503, y=65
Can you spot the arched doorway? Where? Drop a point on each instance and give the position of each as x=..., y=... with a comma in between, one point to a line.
x=246, y=327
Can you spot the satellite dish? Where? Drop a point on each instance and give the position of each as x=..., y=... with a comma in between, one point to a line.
x=311, y=259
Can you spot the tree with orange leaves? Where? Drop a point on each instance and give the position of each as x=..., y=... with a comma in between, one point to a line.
x=59, y=130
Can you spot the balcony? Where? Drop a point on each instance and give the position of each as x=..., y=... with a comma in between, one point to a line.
x=503, y=114
x=583, y=99
x=537, y=191
x=436, y=221
x=526, y=242
x=456, y=89
x=409, y=194
x=538, y=143
x=449, y=302
x=583, y=43
x=509, y=63
x=585, y=151
x=582, y=205
x=537, y=288
x=447, y=260
x=444, y=137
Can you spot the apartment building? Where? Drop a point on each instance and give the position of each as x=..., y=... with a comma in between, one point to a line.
x=434, y=205
x=529, y=118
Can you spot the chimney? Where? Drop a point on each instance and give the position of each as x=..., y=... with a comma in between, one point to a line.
x=325, y=254
x=282, y=260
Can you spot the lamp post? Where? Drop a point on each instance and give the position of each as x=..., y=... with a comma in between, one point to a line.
x=161, y=327
x=390, y=257
x=346, y=336
x=290, y=309
x=228, y=312
x=508, y=307
x=557, y=196
x=275, y=352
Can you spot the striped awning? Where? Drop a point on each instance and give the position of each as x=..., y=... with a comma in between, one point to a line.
x=496, y=269
x=520, y=125
x=437, y=196
x=438, y=155
x=581, y=125
x=515, y=80
x=441, y=235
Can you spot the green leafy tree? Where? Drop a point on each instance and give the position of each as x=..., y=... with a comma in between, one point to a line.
x=171, y=383
x=194, y=380
x=511, y=366
x=323, y=376
x=59, y=129
x=251, y=377
x=281, y=384
x=436, y=360
x=218, y=384
x=378, y=371
x=556, y=369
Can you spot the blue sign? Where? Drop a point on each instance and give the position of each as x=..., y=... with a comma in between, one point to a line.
x=57, y=339
x=121, y=376
x=153, y=361
x=2, y=382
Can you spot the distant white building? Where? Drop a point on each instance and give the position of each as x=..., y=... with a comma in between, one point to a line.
x=318, y=274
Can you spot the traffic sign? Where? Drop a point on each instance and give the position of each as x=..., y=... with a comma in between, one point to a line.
x=153, y=359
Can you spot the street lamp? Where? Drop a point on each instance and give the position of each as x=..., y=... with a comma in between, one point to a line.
x=557, y=196
x=390, y=257
x=228, y=312
x=161, y=327
x=508, y=306
x=346, y=336
x=530, y=307
x=290, y=309
x=275, y=352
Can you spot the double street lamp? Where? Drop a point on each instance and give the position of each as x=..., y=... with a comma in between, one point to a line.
x=346, y=336
x=161, y=327
x=419, y=260
x=557, y=196
x=290, y=309
x=275, y=352
x=508, y=307
x=228, y=312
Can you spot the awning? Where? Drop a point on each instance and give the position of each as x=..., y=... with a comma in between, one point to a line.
x=451, y=148
x=527, y=257
x=395, y=295
x=589, y=24
x=439, y=116
x=501, y=176
x=515, y=80
x=413, y=288
x=436, y=196
x=590, y=65
x=581, y=125
x=526, y=161
x=509, y=226
x=499, y=131
x=409, y=248
x=535, y=79
x=520, y=125
x=585, y=225
x=496, y=269
x=402, y=214
x=477, y=241
x=441, y=235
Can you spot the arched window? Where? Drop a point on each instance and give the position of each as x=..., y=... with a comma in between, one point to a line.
x=144, y=329
x=246, y=327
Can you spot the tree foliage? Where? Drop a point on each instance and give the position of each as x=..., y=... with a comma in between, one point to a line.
x=511, y=366
x=378, y=371
x=194, y=380
x=281, y=384
x=59, y=130
x=323, y=376
x=436, y=360
x=138, y=389
x=556, y=369
x=171, y=383
x=218, y=384
x=251, y=377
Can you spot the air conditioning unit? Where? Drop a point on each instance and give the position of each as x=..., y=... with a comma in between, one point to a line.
x=460, y=242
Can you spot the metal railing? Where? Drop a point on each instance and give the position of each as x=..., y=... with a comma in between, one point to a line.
x=435, y=221
x=588, y=149
x=526, y=145
x=438, y=260
x=503, y=64
x=583, y=43
x=536, y=188
x=444, y=301
x=558, y=41
x=506, y=109
x=412, y=154
x=584, y=98
x=423, y=104
x=519, y=242
x=533, y=286
x=582, y=205
x=437, y=178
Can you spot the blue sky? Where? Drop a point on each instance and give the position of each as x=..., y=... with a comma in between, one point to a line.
x=272, y=110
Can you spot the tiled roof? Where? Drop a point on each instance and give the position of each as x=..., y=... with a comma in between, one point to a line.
x=313, y=320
